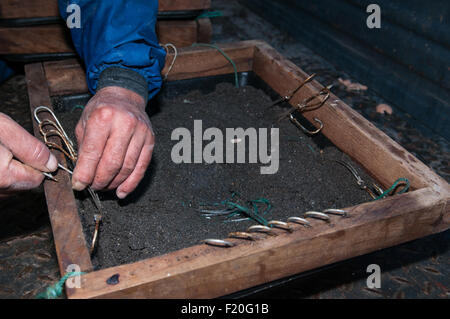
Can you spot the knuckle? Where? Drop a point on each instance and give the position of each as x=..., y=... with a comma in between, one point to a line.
x=90, y=152
x=84, y=178
x=103, y=114
x=112, y=163
x=5, y=174
x=78, y=131
x=127, y=169
x=40, y=153
x=142, y=168
x=129, y=120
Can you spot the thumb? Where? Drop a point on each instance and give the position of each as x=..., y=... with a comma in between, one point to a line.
x=25, y=147
x=15, y=176
x=23, y=177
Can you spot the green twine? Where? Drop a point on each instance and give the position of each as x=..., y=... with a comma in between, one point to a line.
x=254, y=214
x=210, y=14
x=394, y=186
x=78, y=106
x=55, y=291
x=236, y=79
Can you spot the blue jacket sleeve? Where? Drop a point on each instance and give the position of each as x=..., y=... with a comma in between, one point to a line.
x=119, y=33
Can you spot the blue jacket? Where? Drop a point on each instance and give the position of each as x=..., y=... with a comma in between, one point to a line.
x=118, y=33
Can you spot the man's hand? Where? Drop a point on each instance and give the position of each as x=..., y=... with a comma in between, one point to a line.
x=115, y=141
x=23, y=158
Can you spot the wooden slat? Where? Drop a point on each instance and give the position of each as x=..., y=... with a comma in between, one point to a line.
x=67, y=230
x=56, y=38
x=14, y=9
x=183, y=5
x=205, y=272
x=68, y=77
x=181, y=33
x=383, y=158
x=65, y=77
x=204, y=30
x=35, y=40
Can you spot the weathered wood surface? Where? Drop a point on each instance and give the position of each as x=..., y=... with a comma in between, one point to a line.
x=15, y=9
x=68, y=235
x=68, y=77
x=65, y=77
x=35, y=40
x=55, y=38
x=382, y=157
x=203, y=271
x=183, y=5
x=181, y=33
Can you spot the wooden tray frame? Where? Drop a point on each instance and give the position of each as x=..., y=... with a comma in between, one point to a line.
x=203, y=271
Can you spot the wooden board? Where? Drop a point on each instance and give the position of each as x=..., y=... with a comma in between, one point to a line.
x=202, y=271
x=68, y=234
x=17, y=9
x=56, y=38
x=68, y=77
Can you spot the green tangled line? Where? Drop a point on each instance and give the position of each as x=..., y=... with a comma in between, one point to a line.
x=56, y=290
x=254, y=212
x=394, y=186
x=236, y=79
x=210, y=14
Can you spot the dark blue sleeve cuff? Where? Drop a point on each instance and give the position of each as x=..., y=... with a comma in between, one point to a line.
x=125, y=78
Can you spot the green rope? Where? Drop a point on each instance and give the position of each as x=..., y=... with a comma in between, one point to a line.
x=394, y=186
x=236, y=79
x=210, y=14
x=55, y=291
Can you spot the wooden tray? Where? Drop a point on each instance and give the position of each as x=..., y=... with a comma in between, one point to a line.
x=203, y=271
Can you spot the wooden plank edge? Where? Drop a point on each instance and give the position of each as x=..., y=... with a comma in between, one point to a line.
x=382, y=157
x=66, y=225
x=68, y=76
x=204, y=272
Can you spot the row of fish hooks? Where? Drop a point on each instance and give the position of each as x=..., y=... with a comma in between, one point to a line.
x=308, y=104
x=68, y=149
x=268, y=230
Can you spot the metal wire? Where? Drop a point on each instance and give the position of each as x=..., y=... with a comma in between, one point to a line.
x=309, y=104
x=68, y=149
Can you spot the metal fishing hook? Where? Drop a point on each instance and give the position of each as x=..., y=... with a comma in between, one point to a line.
x=71, y=154
x=304, y=129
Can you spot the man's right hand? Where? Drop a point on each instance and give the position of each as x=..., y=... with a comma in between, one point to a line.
x=23, y=158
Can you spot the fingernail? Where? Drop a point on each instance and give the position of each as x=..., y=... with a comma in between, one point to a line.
x=121, y=195
x=76, y=185
x=52, y=163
